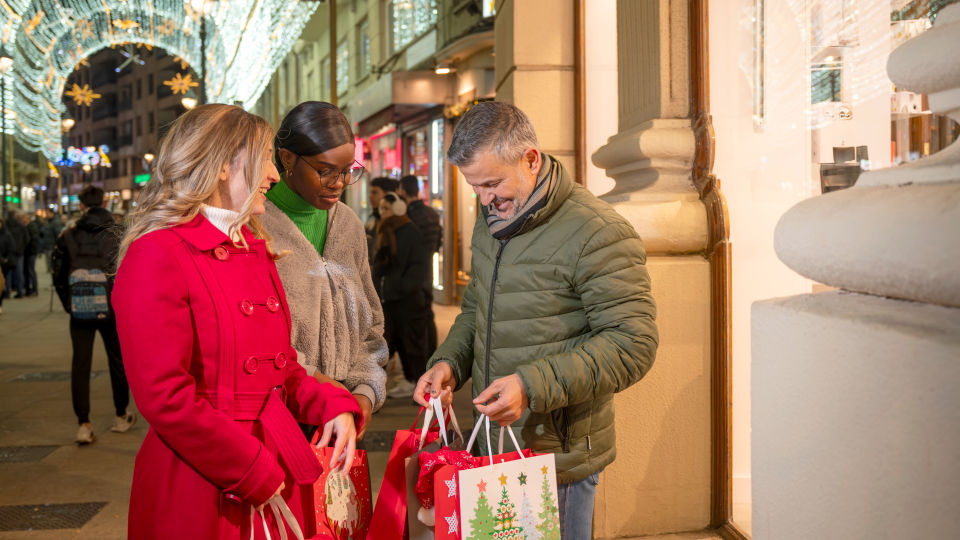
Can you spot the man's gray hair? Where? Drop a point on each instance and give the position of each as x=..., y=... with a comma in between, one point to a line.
x=495, y=125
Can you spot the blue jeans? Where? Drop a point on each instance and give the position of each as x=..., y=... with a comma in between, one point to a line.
x=15, y=278
x=576, y=507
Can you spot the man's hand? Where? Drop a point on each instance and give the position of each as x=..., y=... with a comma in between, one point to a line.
x=324, y=379
x=504, y=400
x=435, y=381
x=367, y=408
x=345, y=446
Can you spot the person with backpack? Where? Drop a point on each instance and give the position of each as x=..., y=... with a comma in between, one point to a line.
x=84, y=262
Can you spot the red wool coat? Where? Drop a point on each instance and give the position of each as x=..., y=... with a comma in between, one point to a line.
x=205, y=335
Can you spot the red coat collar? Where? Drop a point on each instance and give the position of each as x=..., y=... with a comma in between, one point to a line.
x=204, y=236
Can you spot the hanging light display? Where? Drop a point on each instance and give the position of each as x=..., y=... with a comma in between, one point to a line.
x=245, y=42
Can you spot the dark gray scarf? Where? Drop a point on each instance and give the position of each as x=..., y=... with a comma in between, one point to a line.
x=502, y=228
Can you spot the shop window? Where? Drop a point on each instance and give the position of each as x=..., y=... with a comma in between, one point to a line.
x=411, y=19
x=801, y=105
x=325, y=78
x=363, y=49
x=825, y=82
x=343, y=67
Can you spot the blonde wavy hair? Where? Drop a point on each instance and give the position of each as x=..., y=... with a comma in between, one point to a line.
x=189, y=163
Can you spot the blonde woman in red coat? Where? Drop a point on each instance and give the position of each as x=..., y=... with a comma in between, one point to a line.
x=205, y=335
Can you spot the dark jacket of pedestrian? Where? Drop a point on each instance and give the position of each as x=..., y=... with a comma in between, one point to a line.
x=97, y=236
x=7, y=248
x=401, y=267
x=32, y=246
x=19, y=235
x=48, y=235
x=427, y=221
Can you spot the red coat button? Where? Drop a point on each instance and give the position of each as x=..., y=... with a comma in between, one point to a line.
x=272, y=304
x=221, y=253
x=246, y=307
x=280, y=360
x=250, y=365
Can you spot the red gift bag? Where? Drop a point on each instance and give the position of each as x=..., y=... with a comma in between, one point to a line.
x=339, y=502
x=390, y=513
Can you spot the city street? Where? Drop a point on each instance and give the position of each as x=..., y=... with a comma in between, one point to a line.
x=81, y=492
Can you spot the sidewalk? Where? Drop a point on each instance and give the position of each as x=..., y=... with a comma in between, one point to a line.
x=69, y=491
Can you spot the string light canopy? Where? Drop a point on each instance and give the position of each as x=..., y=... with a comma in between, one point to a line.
x=48, y=39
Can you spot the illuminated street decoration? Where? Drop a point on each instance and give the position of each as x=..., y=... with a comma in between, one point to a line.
x=82, y=96
x=180, y=84
x=89, y=155
x=48, y=39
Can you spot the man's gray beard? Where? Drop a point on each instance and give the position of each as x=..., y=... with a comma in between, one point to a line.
x=516, y=208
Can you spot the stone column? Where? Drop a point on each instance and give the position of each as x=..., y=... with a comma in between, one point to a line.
x=856, y=424
x=533, y=41
x=661, y=480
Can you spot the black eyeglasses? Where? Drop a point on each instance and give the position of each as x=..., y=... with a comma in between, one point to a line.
x=330, y=176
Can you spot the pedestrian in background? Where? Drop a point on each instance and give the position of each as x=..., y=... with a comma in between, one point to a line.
x=7, y=261
x=379, y=187
x=48, y=237
x=15, y=280
x=205, y=330
x=337, y=319
x=427, y=221
x=401, y=271
x=84, y=262
x=558, y=316
x=30, y=251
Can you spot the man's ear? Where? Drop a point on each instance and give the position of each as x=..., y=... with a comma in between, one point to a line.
x=532, y=160
x=287, y=159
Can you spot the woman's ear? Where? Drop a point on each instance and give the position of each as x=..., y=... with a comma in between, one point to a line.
x=224, y=173
x=287, y=159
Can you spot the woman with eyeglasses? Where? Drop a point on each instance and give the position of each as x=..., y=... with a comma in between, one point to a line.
x=337, y=319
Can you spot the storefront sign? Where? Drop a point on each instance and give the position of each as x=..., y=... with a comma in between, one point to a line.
x=141, y=178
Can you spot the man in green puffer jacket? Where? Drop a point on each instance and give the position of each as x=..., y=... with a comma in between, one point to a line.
x=558, y=315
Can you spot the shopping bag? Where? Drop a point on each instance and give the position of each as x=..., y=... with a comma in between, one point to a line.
x=513, y=497
x=338, y=503
x=418, y=522
x=390, y=512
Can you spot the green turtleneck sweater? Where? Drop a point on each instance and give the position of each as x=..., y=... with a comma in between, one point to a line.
x=311, y=221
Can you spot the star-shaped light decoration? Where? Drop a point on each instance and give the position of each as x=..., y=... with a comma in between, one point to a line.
x=451, y=487
x=180, y=84
x=452, y=523
x=32, y=25
x=482, y=486
x=126, y=24
x=523, y=479
x=82, y=96
x=181, y=61
x=503, y=479
x=85, y=27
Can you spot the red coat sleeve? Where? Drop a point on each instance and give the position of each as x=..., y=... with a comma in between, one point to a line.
x=316, y=403
x=156, y=330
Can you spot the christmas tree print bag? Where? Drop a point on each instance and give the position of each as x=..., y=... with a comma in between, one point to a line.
x=338, y=504
x=510, y=497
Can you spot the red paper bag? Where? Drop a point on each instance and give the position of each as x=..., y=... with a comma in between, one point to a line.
x=390, y=513
x=339, y=503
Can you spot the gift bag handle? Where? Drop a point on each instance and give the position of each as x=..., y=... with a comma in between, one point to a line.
x=435, y=406
x=281, y=513
x=485, y=420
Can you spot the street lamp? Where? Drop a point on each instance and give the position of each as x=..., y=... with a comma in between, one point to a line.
x=188, y=102
x=67, y=124
x=204, y=8
x=148, y=158
x=6, y=61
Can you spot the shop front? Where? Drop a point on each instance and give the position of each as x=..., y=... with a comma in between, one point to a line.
x=801, y=105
